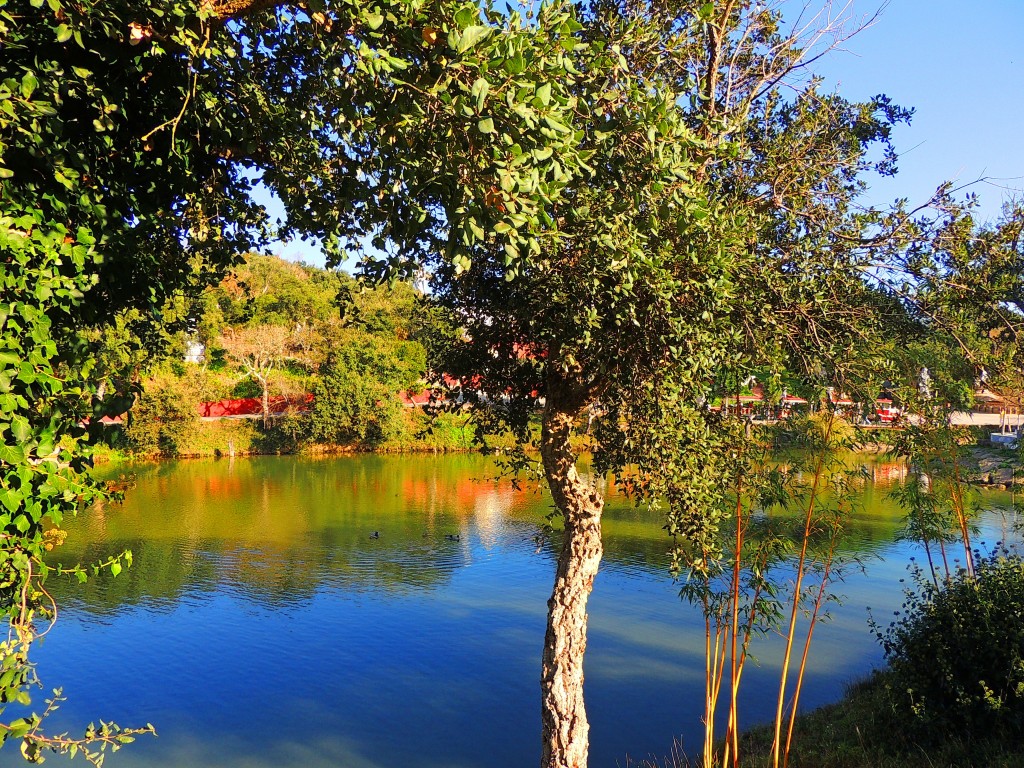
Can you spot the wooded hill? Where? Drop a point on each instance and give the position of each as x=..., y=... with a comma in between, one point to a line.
x=273, y=330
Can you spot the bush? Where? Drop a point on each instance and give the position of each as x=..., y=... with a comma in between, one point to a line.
x=957, y=654
x=811, y=430
x=349, y=408
x=165, y=416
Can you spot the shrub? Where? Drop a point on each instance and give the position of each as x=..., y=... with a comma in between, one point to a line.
x=165, y=416
x=813, y=429
x=957, y=653
x=349, y=408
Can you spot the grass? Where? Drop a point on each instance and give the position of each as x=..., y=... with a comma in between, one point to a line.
x=448, y=432
x=104, y=454
x=212, y=438
x=863, y=731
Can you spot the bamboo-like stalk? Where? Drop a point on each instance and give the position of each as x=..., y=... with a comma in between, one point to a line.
x=807, y=643
x=931, y=563
x=957, y=497
x=732, y=729
x=790, y=635
x=945, y=561
x=925, y=540
x=719, y=673
x=738, y=660
x=709, y=685
x=735, y=626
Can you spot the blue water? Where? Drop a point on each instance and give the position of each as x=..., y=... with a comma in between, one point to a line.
x=262, y=626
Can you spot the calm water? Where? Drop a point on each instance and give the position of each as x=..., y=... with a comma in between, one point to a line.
x=262, y=626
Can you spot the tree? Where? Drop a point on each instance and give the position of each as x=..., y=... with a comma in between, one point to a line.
x=352, y=408
x=603, y=237
x=130, y=135
x=259, y=351
x=164, y=418
x=716, y=232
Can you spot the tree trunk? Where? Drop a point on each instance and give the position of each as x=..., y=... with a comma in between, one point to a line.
x=564, y=719
x=266, y=402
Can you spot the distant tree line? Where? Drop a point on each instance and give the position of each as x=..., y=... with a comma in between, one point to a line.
x=274, y=329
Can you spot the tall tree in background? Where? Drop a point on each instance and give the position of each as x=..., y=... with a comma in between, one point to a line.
x=259, y=351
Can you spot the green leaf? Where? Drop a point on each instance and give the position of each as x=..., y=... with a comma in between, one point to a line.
x=115, y=568
x=20, y=429
x=480, y=90
x=471, y=36
x=544, y=94
x=374, y=20
x=10, y=499
x=63, y=33
x=28, y=84
x=466, y=16
x=515, y=65
x=486, y=125
x=60, y=177
x=12, y=454
x=555, y=125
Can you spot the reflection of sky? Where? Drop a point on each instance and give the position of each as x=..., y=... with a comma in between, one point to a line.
x=261, y=626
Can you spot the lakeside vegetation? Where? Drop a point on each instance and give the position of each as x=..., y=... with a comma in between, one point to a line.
x=624, y=212
x=278, y=331
x=862, y=730
x=952, y=692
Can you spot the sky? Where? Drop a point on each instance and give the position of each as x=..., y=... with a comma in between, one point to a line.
x=960, y=66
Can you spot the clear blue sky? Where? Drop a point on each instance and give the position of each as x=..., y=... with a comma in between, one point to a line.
x=960, y=65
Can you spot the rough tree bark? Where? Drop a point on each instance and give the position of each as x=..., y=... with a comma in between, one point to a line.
x=565, y=728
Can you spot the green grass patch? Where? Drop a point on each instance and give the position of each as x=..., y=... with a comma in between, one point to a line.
x=863, y=731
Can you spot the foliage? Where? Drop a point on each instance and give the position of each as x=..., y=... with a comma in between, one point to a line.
x=131, y=134
x=822, y=430
x=938, y=498
x=353, y=403
x=957, y=652
x=756, y=548
x=89, y=228
x=260, y=352
x=719, y=234
x=858, y=732
x=165, y=416
x=282, y=328
x=968, y=284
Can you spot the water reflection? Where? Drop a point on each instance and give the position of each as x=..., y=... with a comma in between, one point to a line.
x=277, y=531
x=262, y=625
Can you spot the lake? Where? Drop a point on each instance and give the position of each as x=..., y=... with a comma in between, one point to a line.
x=261, y=625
